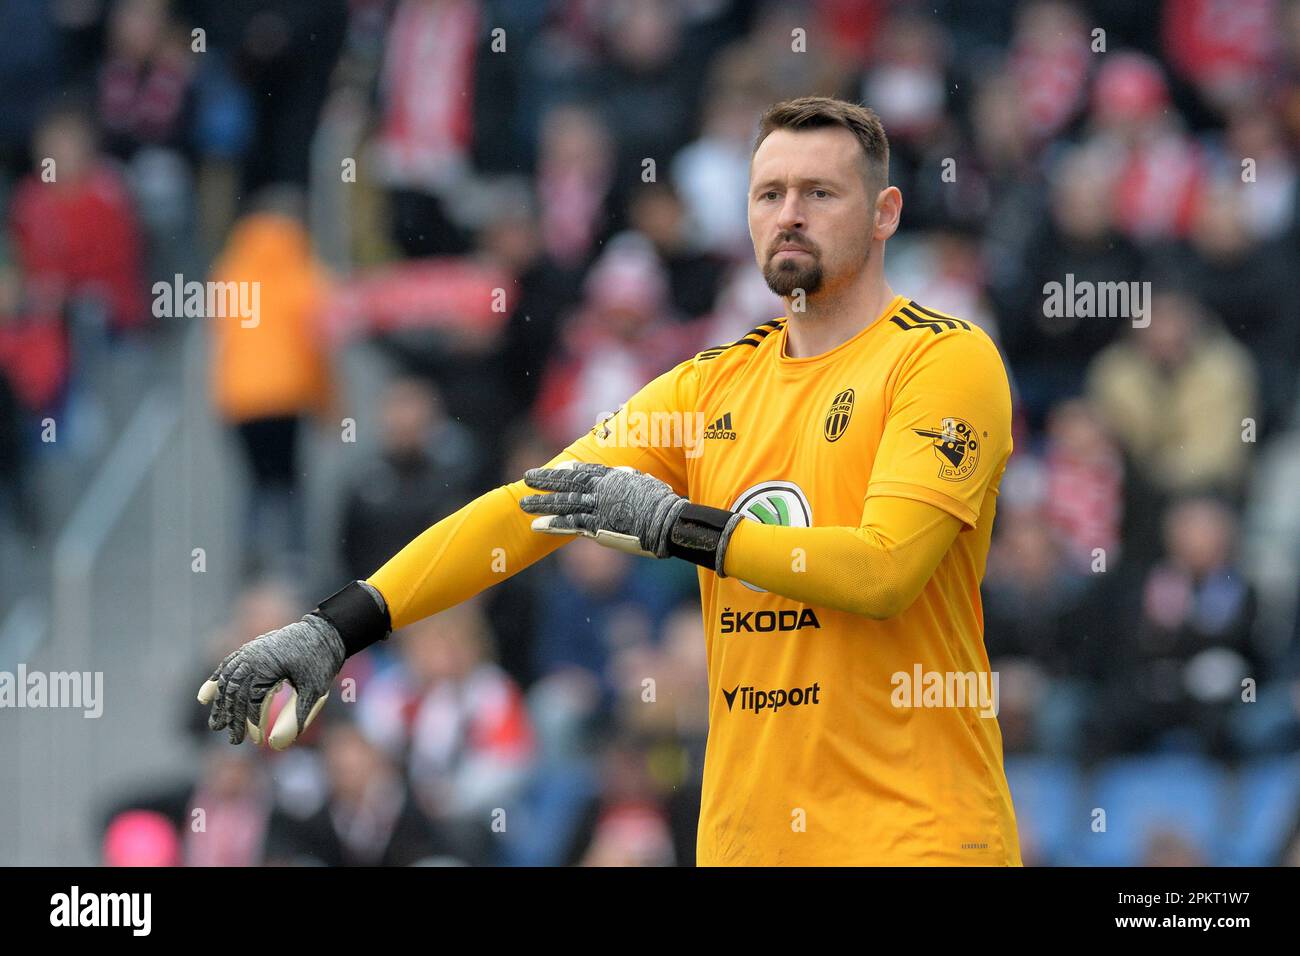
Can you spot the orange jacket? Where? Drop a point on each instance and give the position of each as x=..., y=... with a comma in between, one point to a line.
x=273, y=362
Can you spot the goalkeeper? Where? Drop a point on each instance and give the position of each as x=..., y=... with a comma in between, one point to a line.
x=838, y=501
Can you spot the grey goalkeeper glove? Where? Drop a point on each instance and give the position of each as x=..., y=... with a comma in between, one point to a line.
x=307, y=653
x=629, y=510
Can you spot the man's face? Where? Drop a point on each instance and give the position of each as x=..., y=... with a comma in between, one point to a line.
x=810, y=217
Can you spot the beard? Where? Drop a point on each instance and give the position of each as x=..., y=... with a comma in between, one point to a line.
x=786, y=277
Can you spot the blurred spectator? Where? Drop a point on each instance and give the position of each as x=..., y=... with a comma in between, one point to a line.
x=462, y=355
x=283, y=52
x=622, y=337
x=146, y=98
x=1002, y=191
x=770, y=43
x=946, y=271
x=1049, y=61
x=1049, y=353
x=1271, y=723
x=145, y=79
x=1176, y=393
x=664, y=701
x=907, y=83
x=1084, y=484
x=1178, y=678
x=1249, y=284
x=1286, y=92
x=369, y=818
x=683, y=662
x=74, y=228
x=428, y=120
x=1157, y=168
x=712, y=171
x=420, y=474
x=229, y=813
x=593, y=604
x=575, y=184
x=852, y=27
x=627, y=825
x=1025, y=693
x=1047, y=630
x=678, y=664
x=1225, y=50
x=648, y=92
x=457, y=721
x=1268, y=198
x=1033, y=593
x=542, y=291
x=272, y=373
x=694, y=276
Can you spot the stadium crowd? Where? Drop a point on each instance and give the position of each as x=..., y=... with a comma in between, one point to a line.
x=377, y=164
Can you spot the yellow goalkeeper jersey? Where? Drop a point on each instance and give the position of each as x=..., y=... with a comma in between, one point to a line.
x=834, y=738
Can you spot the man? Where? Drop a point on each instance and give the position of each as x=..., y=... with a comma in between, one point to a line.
x=865, y=437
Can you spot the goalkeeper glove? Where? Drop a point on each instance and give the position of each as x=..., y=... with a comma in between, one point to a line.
x=629, y=510
x=307, y=653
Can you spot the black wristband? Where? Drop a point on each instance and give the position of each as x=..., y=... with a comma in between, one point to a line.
x=357, y=616
x=700, y=535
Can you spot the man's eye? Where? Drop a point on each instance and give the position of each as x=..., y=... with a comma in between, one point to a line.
x=820, y=193
x=770, y=194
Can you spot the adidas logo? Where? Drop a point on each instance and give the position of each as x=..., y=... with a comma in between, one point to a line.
x=721, y=429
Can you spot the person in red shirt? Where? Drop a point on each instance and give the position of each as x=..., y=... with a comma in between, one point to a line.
x=74, y=228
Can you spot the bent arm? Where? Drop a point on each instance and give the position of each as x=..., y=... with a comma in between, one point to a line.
x=876, y=570
x=950, y=407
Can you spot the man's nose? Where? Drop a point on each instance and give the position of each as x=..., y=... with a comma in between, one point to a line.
x=791, y=215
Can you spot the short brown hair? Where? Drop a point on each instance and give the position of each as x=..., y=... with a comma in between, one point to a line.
x=815, y=112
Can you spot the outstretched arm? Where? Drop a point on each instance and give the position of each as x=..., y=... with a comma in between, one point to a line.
x=483, y=543
x=466, y=552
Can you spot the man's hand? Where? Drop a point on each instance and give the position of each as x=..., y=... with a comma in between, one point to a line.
x=629, y=510
x=307, y=653
x=619, y=507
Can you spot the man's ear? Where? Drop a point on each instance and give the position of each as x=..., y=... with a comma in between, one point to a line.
x=889, y=208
